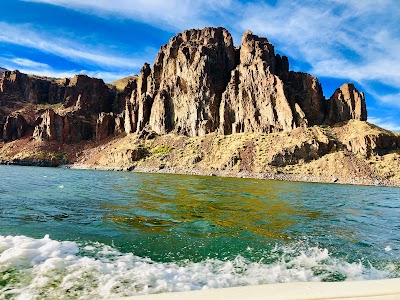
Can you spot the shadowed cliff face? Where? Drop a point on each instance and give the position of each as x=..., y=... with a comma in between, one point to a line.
x=199, y=83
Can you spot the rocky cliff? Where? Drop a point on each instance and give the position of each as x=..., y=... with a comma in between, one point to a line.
x=204, y=105
x=201, y=83
x=63, y=110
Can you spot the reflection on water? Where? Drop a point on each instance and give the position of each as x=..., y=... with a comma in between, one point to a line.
x=200, y=206
x=173, y=217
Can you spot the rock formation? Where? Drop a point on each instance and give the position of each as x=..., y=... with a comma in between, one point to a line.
x=68, y=128
x=199, y=83
x=81, y=99
x=255, y=100
x=347, y=103
x=14, y=127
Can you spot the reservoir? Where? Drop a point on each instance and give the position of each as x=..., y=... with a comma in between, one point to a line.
x=82, y=234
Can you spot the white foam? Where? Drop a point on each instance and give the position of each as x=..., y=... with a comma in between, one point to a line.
x=45, y=268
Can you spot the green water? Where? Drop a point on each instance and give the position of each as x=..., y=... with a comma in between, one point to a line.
x=198, y=225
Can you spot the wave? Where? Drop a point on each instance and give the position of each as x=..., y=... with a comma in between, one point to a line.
x=49, y=269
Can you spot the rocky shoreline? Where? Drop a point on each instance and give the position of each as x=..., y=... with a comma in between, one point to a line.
x=264, y=175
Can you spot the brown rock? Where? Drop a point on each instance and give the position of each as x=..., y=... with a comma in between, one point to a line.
x=15, y=126
x=201, y=83
x=182, y=93
x=368, y=144
x=347, y=103
x=16, y=87
x=69, y=128
x=305, y=90
x=105, y=126
x=88, y=95
x=255, y=99
x=109, y=124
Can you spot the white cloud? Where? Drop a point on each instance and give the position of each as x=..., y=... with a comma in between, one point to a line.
x=25, y=35
x=385, y=123
x=29, y=63
x=28, y=66
x=391, y=99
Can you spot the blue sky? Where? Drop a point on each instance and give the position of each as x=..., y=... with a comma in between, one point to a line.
x=336, y=40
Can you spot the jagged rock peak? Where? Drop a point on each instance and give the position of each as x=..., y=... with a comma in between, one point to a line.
x=347, y=103
x=201, y=83
x=183, y=91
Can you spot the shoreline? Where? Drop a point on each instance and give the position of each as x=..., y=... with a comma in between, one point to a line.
x=387, y=289
x=249, y=175
x=217, y=173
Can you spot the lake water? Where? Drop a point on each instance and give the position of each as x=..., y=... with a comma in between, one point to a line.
x=91, y=234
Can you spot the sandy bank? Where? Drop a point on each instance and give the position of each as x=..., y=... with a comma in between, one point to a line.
x=373, y=289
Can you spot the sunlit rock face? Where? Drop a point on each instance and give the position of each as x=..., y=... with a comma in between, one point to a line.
x=201, y=83
x=347, y=103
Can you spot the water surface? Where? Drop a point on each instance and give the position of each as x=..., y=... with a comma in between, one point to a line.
x=85, y=234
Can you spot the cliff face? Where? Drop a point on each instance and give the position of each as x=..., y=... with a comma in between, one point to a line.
x=200, y=83
x=63, y=110
x=183, y=90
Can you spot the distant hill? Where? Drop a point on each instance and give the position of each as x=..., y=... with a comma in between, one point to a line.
x=2, y=70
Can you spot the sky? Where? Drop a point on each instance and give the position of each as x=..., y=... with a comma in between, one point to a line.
x=338, y=41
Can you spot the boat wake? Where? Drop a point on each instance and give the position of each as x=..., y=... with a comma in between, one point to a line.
x=49, y=269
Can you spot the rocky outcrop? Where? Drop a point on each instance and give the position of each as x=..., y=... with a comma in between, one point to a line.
x=16, y=87
x=347, y=103
x=88, y=95
x=182, y=93
x=82, y=99
x=108, y=124
x=254, y=100
x=69, y=128
x=15, y=127
x=305, y=91
x=201, y=83
x=368, y=144
x=188, y=78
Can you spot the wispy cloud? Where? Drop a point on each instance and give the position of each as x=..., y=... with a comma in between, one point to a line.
x=337, y=38
x=27, y=36
x=386, y=123
x=32, y=67
x=29, y=63
x=171, y=14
